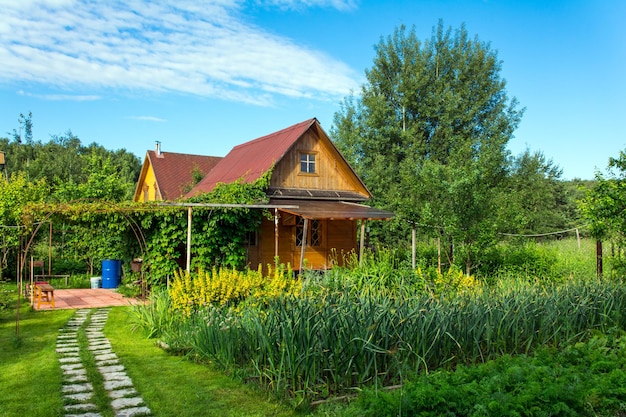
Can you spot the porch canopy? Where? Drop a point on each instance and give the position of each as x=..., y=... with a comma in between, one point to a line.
x=330, y=210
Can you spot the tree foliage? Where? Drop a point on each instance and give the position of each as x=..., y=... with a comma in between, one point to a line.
x=60, y=171
x=15, y=194
x=428, y=133
x=534, y=198
x=605, y=204
x=64, y=161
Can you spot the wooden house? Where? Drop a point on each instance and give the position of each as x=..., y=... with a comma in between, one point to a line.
x=323, y=194
x=167, y=176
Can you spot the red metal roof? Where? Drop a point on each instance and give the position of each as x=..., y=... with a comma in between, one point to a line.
x=252, y=159
x=174, y=171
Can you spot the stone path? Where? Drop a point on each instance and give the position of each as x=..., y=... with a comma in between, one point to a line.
x=77, y=388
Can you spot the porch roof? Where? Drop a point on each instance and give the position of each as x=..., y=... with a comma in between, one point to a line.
x=332, y=210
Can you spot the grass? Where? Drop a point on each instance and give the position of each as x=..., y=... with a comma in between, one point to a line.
x=30, y=375
x=31, y=378
x=174, y=386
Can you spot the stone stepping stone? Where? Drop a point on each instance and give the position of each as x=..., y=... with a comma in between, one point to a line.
x=122, y=393
x=67, y=349
x=80, y=396
x=105, y=356
x=80, y=407
x=77, y=379
x=133, y=412
x=121, y=403
x=100, y=346
x=116, y=384
x=69, y=359
x=76, y=388
x=111, y=368
x=74, y=372
x=96, y=338
x=108, y=362
x=115, y=376
x=72, y=366
x=84, y=415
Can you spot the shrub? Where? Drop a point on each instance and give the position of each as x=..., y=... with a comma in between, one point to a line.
x=229, y=286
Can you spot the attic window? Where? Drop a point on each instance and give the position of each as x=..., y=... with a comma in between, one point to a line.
x=307, y=163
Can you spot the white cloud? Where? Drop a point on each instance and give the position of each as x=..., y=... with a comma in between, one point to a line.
x=188, y=47
x=299, y=4
x=61, y=97
x=148, y=118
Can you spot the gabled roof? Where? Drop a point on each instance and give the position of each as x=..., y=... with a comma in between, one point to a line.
x=252, y=159
x=174, y=171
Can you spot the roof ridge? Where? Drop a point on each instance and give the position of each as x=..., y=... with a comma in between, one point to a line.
x=276, y=133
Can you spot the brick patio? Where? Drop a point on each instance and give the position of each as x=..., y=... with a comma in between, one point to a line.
x=88, y=298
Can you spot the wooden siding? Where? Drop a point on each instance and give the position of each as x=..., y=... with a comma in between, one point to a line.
x=339, y=240
x=332, y=172
x=148, y=186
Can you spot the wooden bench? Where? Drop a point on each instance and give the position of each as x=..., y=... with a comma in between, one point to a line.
x=42, y=290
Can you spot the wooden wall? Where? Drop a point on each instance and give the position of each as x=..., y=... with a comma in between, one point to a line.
x=339, y=237
x=332, y=172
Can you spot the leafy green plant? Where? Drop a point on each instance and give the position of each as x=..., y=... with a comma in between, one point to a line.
x=582, y=380
x=332, y=342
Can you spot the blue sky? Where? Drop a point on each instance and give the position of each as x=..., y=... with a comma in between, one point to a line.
x=202, y=77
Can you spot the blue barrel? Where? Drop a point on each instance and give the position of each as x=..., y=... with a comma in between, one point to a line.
x=111, y=273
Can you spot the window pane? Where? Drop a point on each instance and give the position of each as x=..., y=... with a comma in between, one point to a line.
x=316, y=233
x=299, y=231
x=307, y=163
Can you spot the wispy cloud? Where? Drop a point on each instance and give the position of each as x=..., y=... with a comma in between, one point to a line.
x=148, y=118
x=182, y=46
x=61, y=97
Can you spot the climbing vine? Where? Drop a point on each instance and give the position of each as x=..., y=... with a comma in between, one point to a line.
x=99, y=230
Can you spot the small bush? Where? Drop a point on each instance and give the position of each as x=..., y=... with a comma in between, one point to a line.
x=229, y=286
x=69, y=267
x=8, y=295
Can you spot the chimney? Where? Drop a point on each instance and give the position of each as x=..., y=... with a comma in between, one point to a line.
x=158, y=148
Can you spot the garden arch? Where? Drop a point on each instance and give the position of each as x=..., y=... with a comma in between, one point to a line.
x=23, y=253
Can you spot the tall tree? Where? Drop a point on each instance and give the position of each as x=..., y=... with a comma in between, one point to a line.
x=535, y=200
x=428, y=133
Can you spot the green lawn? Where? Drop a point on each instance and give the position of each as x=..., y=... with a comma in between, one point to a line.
x=30, y=375
x=174, y=386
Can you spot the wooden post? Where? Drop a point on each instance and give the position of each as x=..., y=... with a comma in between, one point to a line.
x=578, y=237
x=304, y=239
x=188, y=268
x=413, y=245
x=599, y=258
x=362, y=243
x=50, y=252
x=275, y=234
x=439, y=254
